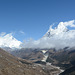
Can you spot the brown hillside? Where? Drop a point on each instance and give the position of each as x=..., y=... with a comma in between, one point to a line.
x=10, y=65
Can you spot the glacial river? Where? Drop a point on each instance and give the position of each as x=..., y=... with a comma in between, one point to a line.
x=49, y=64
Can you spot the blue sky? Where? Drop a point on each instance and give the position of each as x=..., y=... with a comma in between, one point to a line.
x=32, y=18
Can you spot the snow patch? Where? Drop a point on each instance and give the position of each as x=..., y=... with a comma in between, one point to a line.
x=45, y=58
x=44, y=51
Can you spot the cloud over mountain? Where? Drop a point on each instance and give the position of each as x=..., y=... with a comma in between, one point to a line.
x=59, y=37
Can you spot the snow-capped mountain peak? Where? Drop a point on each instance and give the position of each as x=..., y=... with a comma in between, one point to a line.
x=8, y=40
x=60, y=29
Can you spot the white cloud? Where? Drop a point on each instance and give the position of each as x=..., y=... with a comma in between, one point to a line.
x=59, y=37
x=22, y=32
x=70, y=23
x=2, y=33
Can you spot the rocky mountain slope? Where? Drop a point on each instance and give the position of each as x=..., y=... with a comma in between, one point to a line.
x=29, y=54
x=64, y=58
x=69, y=71
x=10, y=65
